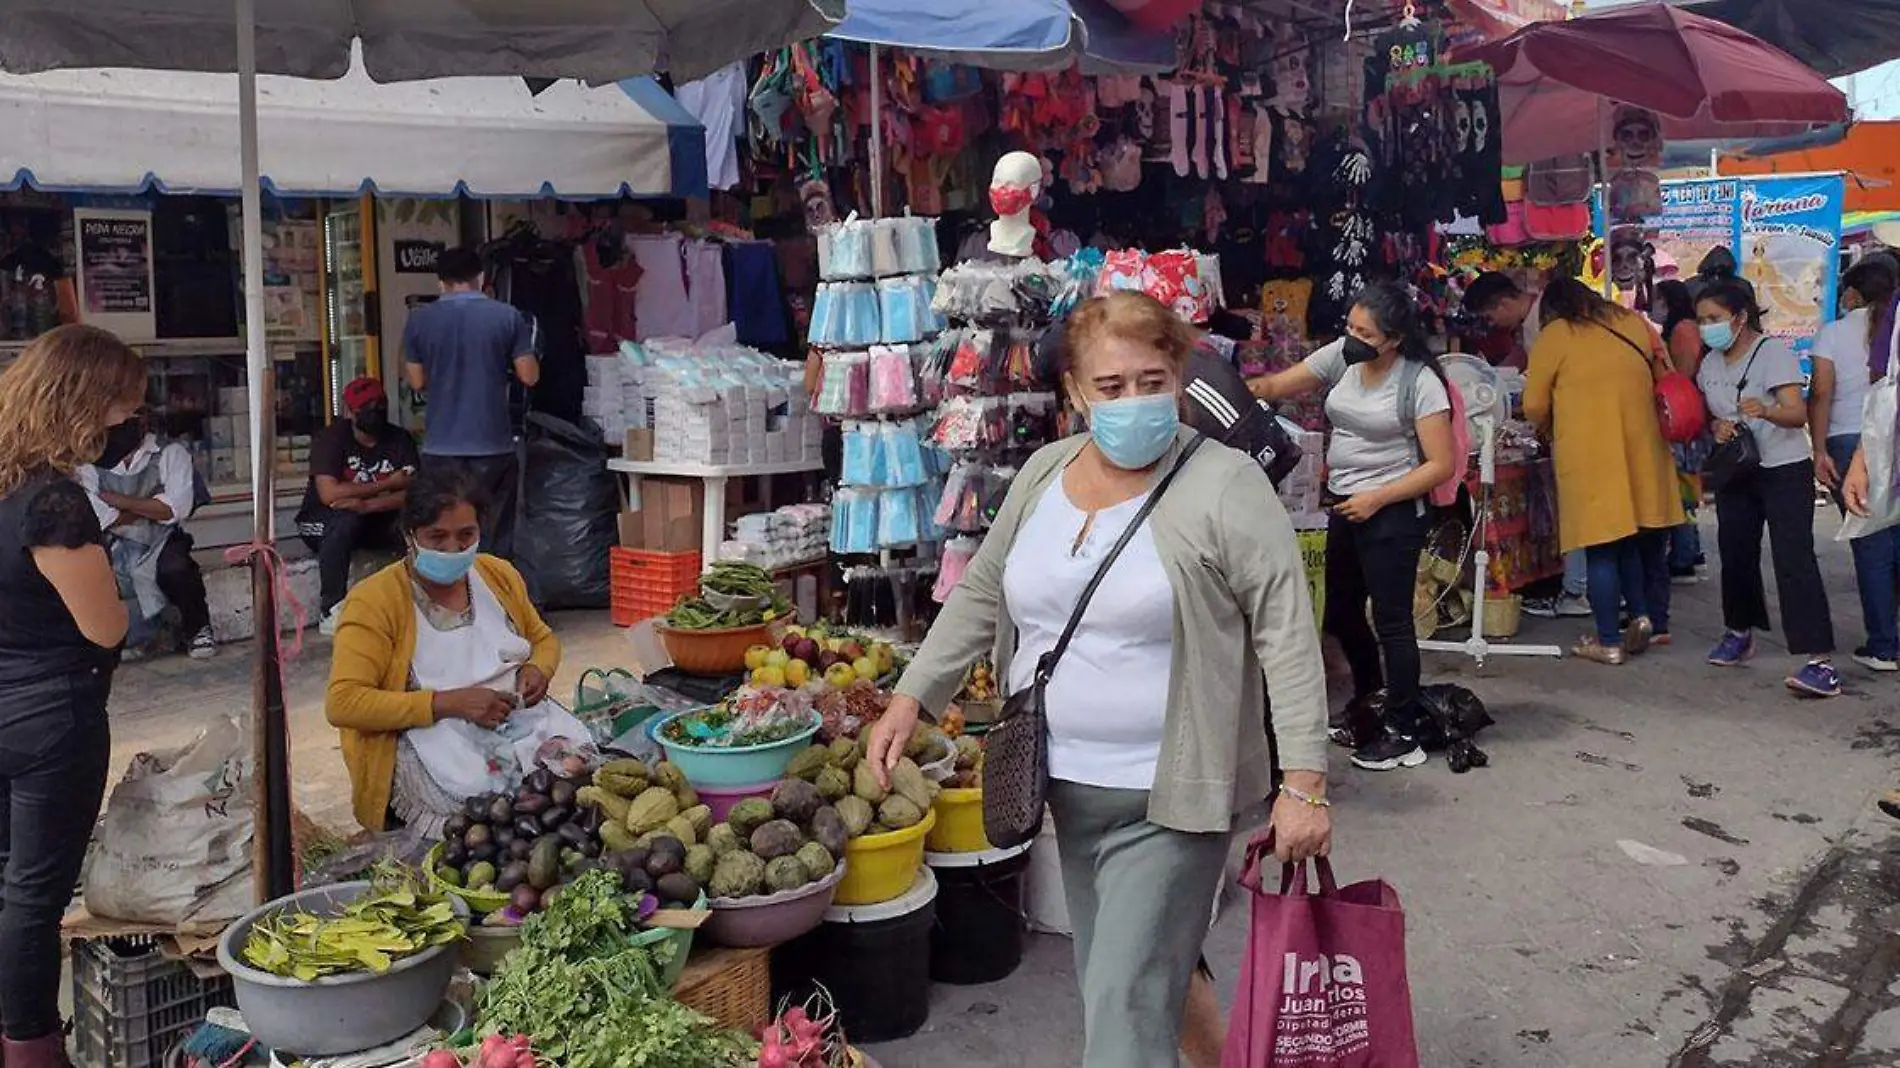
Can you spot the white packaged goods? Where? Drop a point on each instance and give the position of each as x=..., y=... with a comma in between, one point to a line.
x=795, y=534
x=710, y=401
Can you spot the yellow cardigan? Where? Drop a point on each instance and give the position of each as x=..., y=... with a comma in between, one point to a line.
x=369, y=700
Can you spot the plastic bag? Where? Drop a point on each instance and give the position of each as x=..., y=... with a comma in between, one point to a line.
x=174, y=848
x=568, y=525
x=1876, y=441
x=1451, y=716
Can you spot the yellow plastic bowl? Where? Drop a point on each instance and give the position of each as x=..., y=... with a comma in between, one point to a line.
x=881, y=867
x=959, y=828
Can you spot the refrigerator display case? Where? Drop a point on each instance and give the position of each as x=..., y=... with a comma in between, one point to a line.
x=351, y=314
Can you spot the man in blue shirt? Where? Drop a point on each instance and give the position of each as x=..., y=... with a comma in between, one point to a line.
x=460, y=350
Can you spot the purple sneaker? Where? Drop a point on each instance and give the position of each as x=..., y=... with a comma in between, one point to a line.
x=1817, y=679
x=1732, y=649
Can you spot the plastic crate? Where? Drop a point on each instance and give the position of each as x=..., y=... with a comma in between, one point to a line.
x=131, y=1004
x=648, y=584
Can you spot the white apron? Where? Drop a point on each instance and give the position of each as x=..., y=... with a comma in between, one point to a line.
x=464, y=759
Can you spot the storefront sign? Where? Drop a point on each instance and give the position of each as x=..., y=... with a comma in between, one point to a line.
x=417, y=257
x=1785, y=233
x=115, y=271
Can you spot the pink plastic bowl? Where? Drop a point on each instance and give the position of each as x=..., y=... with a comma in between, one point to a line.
x=721, y=798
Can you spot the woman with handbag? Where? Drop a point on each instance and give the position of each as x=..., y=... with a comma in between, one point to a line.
x=1762, y=473
x=1129, y=572
x=1383, y=462
x=1592, y=390
x=67, y=400
x=1836, y=396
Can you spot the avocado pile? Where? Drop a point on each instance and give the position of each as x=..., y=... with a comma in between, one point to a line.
x=526, y=846
x=843, y=778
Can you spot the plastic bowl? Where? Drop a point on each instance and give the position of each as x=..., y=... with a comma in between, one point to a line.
x=682, y=941
x=479, y=902
x=959, y=828
x=768, y=919
x=744, y=765
x=882, y=866
x=712, y=652
x=341, y=1013
x=721, y=798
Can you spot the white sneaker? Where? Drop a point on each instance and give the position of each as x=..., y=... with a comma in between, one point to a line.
x=203, y=645
x=327, y=625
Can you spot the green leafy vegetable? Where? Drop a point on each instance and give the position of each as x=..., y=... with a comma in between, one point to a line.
x=397, y=918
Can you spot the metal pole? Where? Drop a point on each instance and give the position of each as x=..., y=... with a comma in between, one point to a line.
x=877, y=138
x=273, y=872
x=1603, y=192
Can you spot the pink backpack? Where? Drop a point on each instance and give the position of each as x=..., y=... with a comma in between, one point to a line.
x=1445, y=494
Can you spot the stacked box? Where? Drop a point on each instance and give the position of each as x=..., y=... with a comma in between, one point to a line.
x=794, y=534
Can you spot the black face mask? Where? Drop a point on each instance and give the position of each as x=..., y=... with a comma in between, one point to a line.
x=1358, y=352
x=371, y=418
x=121, y=441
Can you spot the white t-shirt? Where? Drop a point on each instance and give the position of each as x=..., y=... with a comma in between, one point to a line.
x=1773, y=366
x=1369, y=446
x=1843, y=343
x=1108, y=699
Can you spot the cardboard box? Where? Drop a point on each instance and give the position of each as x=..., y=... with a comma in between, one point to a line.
x=668, y=519
x=639, y=445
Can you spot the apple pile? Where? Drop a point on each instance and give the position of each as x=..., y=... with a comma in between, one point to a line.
x=805, y=654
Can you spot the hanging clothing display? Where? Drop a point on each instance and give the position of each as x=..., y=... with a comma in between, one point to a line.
x=539, y=277
x=661, y=305
x=758, y=311
x=613, y=281
x=719, y=102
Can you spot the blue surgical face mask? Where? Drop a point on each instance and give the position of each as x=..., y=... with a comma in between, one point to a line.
x=444, y=569
x=1133, y=432
x=1718, y=336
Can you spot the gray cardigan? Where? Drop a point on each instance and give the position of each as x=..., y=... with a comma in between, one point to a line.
x=1240, y=602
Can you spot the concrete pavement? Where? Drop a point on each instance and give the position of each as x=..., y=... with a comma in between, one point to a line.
x=1543, y=932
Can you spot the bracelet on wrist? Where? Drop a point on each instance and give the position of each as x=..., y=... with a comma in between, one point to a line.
x=1305, y=798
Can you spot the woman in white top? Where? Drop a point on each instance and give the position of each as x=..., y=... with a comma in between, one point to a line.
x=1381, y=464
x=1838, y=393
x=1156, y=740
x=1753, y=385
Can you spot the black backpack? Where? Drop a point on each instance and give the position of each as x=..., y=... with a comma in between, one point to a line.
x=1220, y=406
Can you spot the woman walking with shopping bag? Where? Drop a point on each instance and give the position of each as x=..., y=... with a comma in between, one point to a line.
x=1129, y=571
x=61, y=625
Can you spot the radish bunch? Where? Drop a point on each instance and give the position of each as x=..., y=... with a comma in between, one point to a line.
x=805, y=1036
x=497, y=1051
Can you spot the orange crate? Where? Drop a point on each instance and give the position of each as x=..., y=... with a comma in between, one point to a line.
x=648, y=584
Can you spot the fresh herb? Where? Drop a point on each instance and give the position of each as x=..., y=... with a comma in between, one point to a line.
x=748, y=717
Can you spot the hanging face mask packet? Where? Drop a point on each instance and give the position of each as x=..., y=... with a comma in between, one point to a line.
x=893, y=382
x=885, y=258
x=897, y=525
x=902, y=311
x=845, y=385
x=903, y=454
x=850, y=250
x=862, y=317
x=859, y=449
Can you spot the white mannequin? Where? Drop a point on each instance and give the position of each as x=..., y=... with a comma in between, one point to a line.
x=1011, y=234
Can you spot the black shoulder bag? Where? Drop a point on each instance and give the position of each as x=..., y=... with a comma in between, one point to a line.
x=1016, y=751
x=1734, y=460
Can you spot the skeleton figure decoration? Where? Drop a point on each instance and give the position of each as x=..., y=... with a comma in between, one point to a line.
x=1014, y=187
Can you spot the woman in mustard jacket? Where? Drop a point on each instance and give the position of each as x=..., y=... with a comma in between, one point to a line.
x=446, y=636
x=1592, y=390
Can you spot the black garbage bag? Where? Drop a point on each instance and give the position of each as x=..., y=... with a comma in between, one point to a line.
x=568, y=519
x=1450, y=719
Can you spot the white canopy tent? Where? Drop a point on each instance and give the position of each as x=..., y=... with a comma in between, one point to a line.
x=401, y=40
x=127, y=130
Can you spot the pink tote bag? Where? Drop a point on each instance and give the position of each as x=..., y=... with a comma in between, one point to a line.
x=1323, y=983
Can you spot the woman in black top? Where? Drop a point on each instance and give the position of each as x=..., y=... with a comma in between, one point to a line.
x=61, y=625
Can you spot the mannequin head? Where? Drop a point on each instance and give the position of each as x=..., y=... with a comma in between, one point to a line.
x=1014, y=187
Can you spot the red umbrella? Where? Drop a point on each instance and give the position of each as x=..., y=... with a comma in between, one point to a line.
x=1707, y=79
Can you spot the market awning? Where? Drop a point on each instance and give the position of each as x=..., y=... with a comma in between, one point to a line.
x=1831, y=36
x=1869, y=156
x=177, y=132
x=1018, y=35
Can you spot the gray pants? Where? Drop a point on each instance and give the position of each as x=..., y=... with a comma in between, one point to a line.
x=1136, y=893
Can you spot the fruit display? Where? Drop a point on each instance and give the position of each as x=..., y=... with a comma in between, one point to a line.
x=979, y=685
x=753, y=715
x=652, y=830
x=804, y=655
x=522, y=846
x=969, y=765
x=771, y=845
x=399, y=917
x=839, y=774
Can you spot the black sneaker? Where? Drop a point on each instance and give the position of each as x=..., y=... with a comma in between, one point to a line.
x=1389, y=752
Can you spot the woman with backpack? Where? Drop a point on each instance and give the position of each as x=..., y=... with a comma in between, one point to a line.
x=1762, y=472
x=1382, y=462
x=1592, y=391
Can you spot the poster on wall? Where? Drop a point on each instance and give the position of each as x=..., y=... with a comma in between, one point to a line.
x=115, y=271
x=1785, y=233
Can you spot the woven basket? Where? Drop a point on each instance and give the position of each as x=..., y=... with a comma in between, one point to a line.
x=732, y=986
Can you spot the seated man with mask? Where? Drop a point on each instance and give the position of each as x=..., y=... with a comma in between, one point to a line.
x=359, y=478
x=143, y=489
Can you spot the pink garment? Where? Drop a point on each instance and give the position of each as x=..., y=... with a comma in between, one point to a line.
x=612, y=296
x=661, y=305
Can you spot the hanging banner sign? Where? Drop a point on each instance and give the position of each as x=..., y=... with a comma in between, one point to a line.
x=1785, y=233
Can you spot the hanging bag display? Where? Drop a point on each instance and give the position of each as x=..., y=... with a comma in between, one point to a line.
x=1322, y=984
x=1733, y=461
x=1016, y=751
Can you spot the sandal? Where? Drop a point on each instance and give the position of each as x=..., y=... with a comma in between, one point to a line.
x=1592, y=649
x=1638, y=635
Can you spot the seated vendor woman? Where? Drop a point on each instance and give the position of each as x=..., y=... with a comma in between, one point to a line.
x=439, y=677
